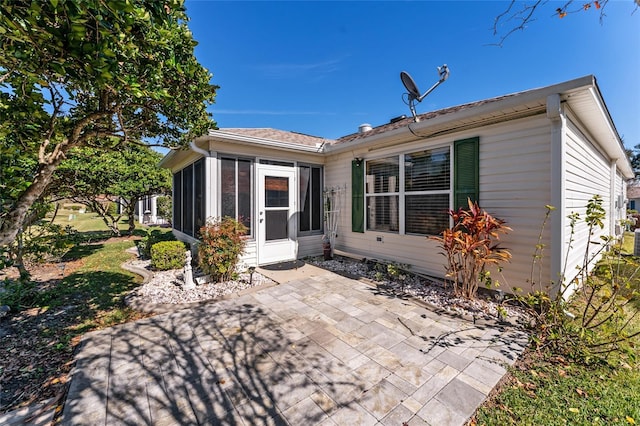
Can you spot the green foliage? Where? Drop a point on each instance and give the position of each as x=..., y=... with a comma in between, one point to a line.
x=87, y=175
x=470, y=245
x=152, y=237
x=597, y=323
x=18, y=294
x=91, y=73
x=222, y=244
x=164, y=207
x=167, y=255
x=48, y=242
x=556, y=392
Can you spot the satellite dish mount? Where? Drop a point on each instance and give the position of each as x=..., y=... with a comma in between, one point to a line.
x=413, y=93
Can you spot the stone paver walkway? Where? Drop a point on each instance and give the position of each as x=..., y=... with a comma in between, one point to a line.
x=323, y=349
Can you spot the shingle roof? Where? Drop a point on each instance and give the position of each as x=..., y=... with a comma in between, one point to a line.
x=422, y=117
x=633, y=192
x=279, y=135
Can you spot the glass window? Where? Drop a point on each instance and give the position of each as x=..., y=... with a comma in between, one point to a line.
x=235, y=190
x=382, y=213
x=199, y=195
x=310, y=180
x=414, y=198
x=383, y=175
x=427, y=170
x=426, y=214
x=427, y=183
x=177, y=201
x=187, y=200
x=382, y=186
x=276, y=191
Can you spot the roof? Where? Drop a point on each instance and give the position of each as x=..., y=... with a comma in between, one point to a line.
x=278, y=135
x=581, y=95
x=396, y=124
x=633, y=192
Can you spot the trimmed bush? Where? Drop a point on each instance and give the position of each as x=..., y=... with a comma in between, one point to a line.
x=152, y=237
x=222, y=244
x=167, y=255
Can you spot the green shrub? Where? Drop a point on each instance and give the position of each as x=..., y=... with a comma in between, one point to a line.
x=152, y=237
x=597, y=322
x=167, y=255
x=222, y=244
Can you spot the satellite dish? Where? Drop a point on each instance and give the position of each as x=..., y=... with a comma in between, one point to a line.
x=410, y=85
x=412, y=88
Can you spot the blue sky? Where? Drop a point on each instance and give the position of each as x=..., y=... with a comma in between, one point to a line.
x=324, y=68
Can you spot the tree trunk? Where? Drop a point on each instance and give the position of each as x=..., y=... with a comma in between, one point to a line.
x=12, y=223
x=130, y=210
x=19, y=262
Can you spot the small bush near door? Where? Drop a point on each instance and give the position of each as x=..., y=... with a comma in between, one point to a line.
x=222, y=244
x=167, y=255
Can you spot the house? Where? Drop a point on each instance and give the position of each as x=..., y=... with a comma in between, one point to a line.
x=389, y=187
x=147, y=211
x=633, y=195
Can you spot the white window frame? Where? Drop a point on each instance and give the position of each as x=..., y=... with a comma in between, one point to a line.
x=402, y=193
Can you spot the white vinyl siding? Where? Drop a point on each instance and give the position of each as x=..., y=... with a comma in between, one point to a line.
x=588, y=173
x=514, y=185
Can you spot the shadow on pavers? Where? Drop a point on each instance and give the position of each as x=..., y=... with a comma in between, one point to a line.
x=216, y=364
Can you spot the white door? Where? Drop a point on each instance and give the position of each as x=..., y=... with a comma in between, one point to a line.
x=276, y=214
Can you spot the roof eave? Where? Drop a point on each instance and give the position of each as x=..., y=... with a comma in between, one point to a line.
x=252, y=140
x=409, y=131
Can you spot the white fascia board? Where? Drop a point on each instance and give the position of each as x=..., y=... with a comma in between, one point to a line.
x=251, y=140
x=406, y=134
x=166, y=160
x=613, y=145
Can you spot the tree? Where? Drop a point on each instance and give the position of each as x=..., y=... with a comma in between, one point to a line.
x=634, y=158
x=97, y=179
x=519, y=14
x=91, y=73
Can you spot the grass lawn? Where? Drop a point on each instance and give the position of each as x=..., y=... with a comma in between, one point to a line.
x=57, y=307
x=546, y=389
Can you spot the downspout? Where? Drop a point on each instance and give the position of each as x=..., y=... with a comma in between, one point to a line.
x=196, y=148
x=613, y=197
x=558, y=191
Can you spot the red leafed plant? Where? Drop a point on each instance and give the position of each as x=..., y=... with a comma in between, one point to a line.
x=470, y=245
x=223, y=242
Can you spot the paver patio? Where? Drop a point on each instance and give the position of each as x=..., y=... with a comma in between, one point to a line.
x=322, y=349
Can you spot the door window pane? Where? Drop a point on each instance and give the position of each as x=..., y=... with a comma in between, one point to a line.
x=277, y=224
x=276, y=191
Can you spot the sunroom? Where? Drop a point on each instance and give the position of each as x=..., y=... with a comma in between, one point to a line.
x=272, y=181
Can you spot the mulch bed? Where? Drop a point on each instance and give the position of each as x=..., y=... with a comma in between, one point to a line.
x=35, y=363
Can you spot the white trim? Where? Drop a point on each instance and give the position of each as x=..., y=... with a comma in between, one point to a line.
x=252, y=140
x=557, y=219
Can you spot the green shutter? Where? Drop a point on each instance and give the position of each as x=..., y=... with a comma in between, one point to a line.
x=466, y=175
x=357, y=196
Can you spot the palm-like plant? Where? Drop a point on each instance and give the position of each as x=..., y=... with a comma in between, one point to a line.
x=470, y=245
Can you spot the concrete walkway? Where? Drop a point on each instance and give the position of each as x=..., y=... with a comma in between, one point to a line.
x=319, y=349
